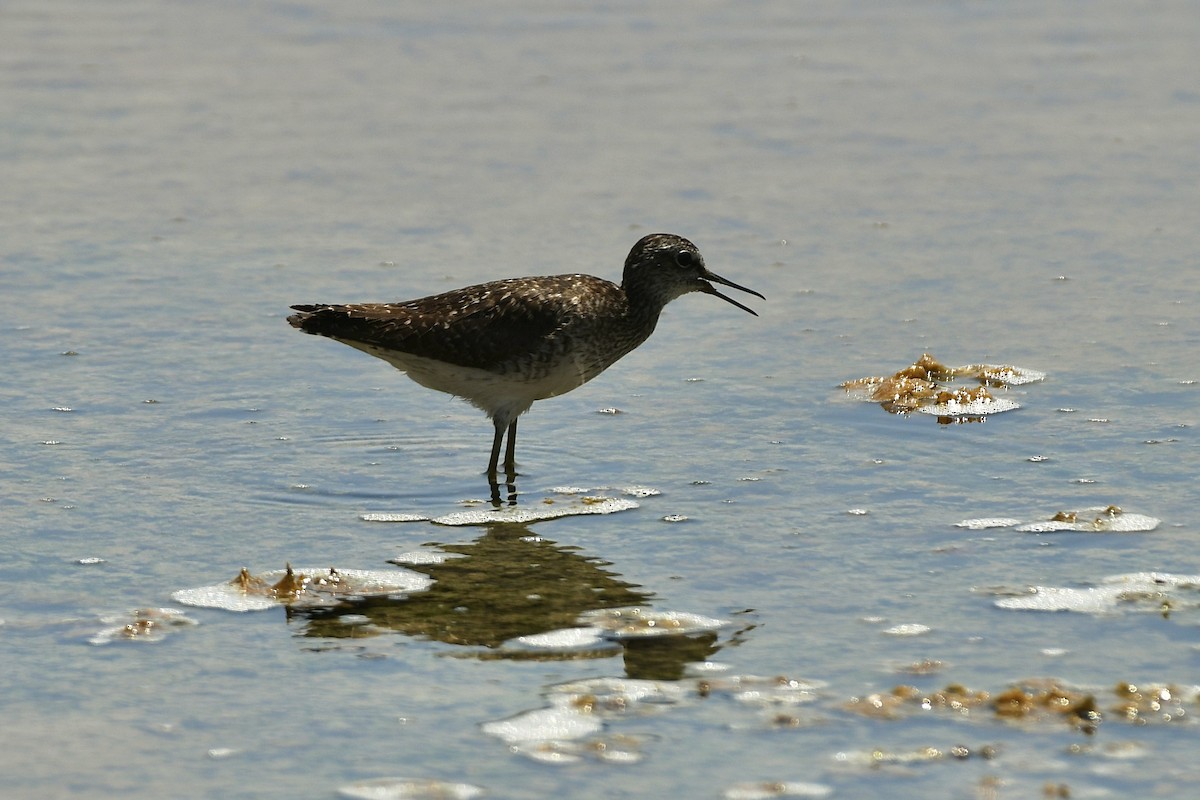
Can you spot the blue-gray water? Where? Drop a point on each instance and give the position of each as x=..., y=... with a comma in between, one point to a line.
x=1012, y=183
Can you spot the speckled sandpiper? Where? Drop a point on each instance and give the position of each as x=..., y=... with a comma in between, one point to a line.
x=504, y=344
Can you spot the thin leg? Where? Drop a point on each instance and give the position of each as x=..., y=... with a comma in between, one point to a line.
x=494, y=462
x=510, y=453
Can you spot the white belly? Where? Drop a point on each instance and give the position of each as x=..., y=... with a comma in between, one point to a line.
x=499, y=396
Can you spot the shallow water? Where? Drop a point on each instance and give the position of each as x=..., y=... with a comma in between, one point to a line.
x=1011, y=184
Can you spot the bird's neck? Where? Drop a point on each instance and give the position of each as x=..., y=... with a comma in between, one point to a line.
x=646, y=299
x=639, y=319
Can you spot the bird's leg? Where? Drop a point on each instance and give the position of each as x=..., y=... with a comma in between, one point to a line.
x=510, y=453
x=510, y=463
x=495, y=460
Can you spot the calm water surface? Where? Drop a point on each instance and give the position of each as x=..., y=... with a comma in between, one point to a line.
x=1009, y=184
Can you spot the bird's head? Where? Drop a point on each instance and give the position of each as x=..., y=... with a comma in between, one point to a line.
x=663, y=266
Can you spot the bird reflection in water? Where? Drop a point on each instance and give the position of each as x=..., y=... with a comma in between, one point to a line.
x=505, y=584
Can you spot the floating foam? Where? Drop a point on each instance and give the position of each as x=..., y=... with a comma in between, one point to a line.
x=640, y=491
x=1126, y=523
x=417, y=557
x=769, y=789
x=557, y=723
x=223, y=596
x=707, y=668
x=1094, y=519
x=619, y=695
x=974, y=407
x=1001, y=373
x=1158, y=579
x=1149, y=590
x=612, y=749
x=1052, y=598
x=142, y=625
x=873, y=759
x=564, y=639
x=908, y=629
x=551, y=752
x=527, y=514
x=635, y=491
x=408, y=789
x=562, y=501
x=383, y=516
x=635, y=622
x=565, y=731
x=303, y=587
x=984, y=523
x=1046, y=526
x=767, y=692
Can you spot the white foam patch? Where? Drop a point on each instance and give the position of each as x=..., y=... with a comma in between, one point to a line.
x=707, y=668
x=640, y=491
x=873, y=759
x=1047, y=526
x=614, y=750
x=223, y=596
x=1159, y=579
x=974, y=408
x=383, y=516
x=566, y=731
x=557, y=723
x=417, y=557
x=1003, y=373
x=1147, y=589
x=544, y=511
x=408, y=789
x=1052, y=598
x=1094, y=520
x=765, y=791
x=635, y=622
x=561, y=501
x=908, y=629
x=621, y=693
x=983, y=523
x=565, y=639
x=319, y=587
x=143, y=625
x=551, y=752
x=635, y=491
x=1126, y=523
x=765, y=692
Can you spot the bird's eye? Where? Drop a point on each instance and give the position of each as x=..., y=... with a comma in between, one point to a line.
x=685, y=258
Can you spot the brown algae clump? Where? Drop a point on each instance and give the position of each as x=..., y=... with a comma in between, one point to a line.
x=927, y=386
x=1038, y=699
x=1142, y=703
x=904, y=699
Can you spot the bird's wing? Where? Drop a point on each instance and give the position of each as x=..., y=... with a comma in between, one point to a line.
x=482, y=326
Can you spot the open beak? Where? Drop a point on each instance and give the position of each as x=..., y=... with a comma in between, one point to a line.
x=707, y=288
